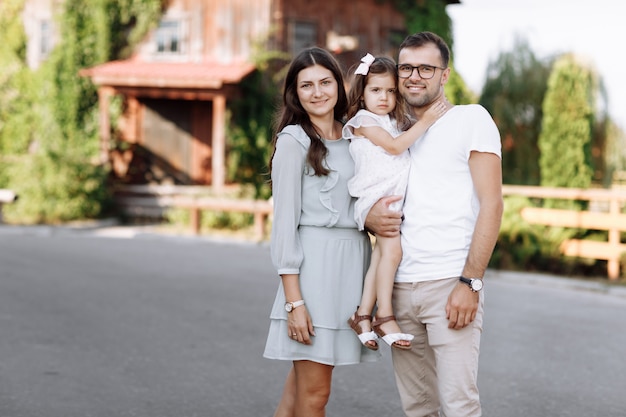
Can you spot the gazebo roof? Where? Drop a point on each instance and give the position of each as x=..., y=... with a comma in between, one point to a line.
x=136, y=73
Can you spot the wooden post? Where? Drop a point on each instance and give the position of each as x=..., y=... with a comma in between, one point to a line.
x=614, y=240
x=194, y=218
x=259, y=226
x=218, y=144
x=105, y=123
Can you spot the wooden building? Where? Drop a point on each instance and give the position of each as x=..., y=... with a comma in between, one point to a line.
x=178, y=84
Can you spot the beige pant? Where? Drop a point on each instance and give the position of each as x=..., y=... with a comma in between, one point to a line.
x=437, y=377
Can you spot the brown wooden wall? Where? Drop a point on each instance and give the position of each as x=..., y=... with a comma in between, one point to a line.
x=223, y=30
x=371, y=21
x=230, y=30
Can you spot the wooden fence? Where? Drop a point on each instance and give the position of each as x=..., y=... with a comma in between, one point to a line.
x=605, y=213
x=152, y=201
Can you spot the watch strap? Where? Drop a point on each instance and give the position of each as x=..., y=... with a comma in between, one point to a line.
x=465, y=280
x=470, y=283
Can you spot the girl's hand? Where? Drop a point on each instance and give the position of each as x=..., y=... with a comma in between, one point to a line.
x=434, y=112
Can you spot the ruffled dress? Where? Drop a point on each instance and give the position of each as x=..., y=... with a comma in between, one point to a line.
x=377, y=172
x=314, y=235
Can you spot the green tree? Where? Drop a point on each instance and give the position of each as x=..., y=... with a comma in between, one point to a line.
x=604, y=134
x=426, y=15
x=513, y=93
x=615, y=151
x=13, y=78
x=251, y=116
x=457, y=91
x=249, y=133
x=53, y=124
x=565, y=139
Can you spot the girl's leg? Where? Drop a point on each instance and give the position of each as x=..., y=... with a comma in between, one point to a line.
x=361, y=320
x=390, y=257
x=368, y=298
x=286, y=406
x=312, y=382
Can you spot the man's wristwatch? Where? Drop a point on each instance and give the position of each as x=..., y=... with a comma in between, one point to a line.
x=289, y=306
x=475, y=284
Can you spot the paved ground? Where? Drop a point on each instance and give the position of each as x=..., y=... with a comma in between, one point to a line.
x=119, y=322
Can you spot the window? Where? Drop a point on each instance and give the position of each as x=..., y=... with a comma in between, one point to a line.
x=45, y=38
x=303, y=35
x=168, y=37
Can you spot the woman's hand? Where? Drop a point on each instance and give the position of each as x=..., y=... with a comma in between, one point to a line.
x=299, y=325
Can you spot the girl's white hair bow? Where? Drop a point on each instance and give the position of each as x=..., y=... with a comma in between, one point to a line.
x=364, y=66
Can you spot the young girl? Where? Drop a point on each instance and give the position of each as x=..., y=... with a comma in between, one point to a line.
x=377, y=118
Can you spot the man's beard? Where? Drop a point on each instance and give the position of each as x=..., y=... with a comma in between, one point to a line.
x=418, y=101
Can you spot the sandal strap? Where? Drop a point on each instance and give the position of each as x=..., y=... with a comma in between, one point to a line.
x=354, y=324
x=379, y=321
x=358, y=319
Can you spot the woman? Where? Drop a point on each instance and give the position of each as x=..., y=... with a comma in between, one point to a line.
x=316, y=247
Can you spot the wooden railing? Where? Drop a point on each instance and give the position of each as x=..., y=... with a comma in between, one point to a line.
x=6, y=196
x=153, y=200
x=605, y=213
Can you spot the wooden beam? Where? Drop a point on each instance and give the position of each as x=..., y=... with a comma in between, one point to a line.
x=592, y=249
x=571, y=218
x=565, y=193
x=609, y=252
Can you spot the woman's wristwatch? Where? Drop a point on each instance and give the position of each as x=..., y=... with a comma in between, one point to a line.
x=289, y=306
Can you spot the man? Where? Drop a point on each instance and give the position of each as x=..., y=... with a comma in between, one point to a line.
x=451, y=221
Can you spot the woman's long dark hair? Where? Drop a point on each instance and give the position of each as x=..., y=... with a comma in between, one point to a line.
x=292, y=112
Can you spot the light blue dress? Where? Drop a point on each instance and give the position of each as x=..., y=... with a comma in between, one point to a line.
x=314, y=234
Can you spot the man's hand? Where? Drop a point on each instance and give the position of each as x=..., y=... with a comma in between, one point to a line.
x=461, y=307
x=381, y=220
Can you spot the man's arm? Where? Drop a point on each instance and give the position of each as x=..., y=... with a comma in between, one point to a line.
x=381, y=220
x=486, y=171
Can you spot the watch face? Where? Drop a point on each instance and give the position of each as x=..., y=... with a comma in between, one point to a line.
x=288, y=307
x=477, y=284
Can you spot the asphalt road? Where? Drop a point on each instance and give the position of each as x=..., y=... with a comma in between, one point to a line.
x=154, y=326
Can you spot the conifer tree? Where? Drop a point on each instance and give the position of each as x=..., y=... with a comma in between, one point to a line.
x=565, y=139
x=513, y=93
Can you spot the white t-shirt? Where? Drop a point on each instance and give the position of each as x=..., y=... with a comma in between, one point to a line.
x=441, y=206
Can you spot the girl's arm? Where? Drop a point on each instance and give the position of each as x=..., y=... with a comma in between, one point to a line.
x=396, y=146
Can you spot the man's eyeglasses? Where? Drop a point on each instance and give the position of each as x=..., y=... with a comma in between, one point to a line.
x=425, y=72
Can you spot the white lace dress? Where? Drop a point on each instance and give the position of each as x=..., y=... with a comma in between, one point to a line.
x=377, y=173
